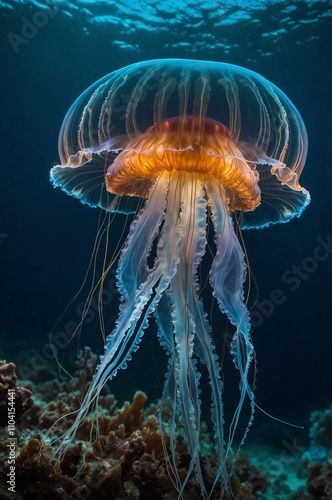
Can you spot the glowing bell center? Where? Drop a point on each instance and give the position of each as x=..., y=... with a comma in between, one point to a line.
x=199, y=147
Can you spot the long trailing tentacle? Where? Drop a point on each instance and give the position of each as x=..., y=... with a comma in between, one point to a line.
x=227, y=275
x=182, y=295
x=186, y=340
x=167, y=413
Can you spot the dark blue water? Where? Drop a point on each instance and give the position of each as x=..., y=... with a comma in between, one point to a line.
x=49, y=56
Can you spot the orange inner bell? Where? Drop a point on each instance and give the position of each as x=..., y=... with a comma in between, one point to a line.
x=200, y=147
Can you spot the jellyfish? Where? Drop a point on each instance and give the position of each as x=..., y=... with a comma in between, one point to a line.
x=184, y=145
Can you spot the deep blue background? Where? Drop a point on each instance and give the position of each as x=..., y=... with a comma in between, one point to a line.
x=50, y=235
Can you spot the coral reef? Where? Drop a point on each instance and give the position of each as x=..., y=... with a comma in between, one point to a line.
x=22, y=398
x=318, y=458
x=308, y=474
x=321, y=428
x=124, y=461
x=125, y=457
x=320, y=481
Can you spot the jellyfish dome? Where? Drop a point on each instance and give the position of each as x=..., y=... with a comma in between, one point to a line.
x=183, y=144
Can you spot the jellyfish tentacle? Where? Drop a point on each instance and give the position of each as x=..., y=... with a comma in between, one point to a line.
x=203, y=346
x=167, y=413
x=192, y=336
x=149, y=282
x=133, y=269
x=137, y=304
x=181, y=294
x=205, y=350
x=143, y=300
x=227, y=275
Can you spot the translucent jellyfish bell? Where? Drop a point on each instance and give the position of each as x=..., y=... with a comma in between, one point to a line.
x=116, y=111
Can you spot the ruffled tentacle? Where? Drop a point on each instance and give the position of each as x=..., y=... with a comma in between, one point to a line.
x=227, y=275
x=187, y=340
x=141, y=289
